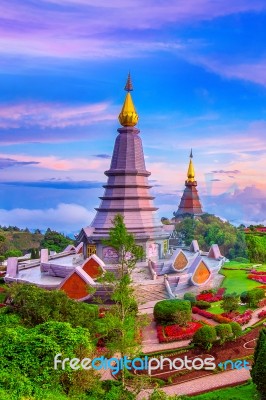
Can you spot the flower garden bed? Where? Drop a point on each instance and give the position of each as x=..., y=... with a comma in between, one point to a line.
x=171, y=333
x=241, y=319
x=262, y=314
x=257, y=277
x=211, y=297
x=254, y=272
x=215, y=317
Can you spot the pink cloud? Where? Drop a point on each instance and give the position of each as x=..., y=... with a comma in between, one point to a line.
x=60, y=164
x=90, y=29
x=54, y=115
x=248, y=71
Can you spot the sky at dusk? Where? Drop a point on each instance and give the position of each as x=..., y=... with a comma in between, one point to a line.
x=199, y=74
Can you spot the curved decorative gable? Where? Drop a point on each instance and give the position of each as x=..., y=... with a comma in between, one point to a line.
x=201, y=275
x=93, y=266
x=75, y=287
x=180, y=262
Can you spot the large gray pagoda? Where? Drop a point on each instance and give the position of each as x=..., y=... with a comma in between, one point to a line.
x=127, y=192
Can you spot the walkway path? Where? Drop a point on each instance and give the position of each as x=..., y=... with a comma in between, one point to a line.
x=207, y=383
x=150, y=342
x=254, y=318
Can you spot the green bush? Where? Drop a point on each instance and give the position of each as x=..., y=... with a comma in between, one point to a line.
x=205, y=337
x=172, y=311
x=241, y=260
x=252, y=297
x=236, y=329
x=244, y=297
x=190, y=297
x=36, y=306
x=224, y=332
x=202, y=304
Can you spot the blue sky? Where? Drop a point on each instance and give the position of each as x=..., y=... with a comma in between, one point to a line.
x=199, y=74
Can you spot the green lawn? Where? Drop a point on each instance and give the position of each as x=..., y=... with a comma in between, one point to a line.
x=216, y=308
x=237, y=281
x=235, y=264
x=242, y=392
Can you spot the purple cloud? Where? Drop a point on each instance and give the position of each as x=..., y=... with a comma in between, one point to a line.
x=54, y=183
x=102, y=155
x=85, y=29
x=9, y=162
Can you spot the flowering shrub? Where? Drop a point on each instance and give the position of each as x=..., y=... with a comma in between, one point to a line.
x=262, y=303
x=170, y=333
x=241, y=319
x=262, y=314
x=210, y=296
x=102, y=312
x=220, y=292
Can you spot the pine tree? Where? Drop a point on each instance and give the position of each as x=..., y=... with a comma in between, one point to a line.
x=258, y=372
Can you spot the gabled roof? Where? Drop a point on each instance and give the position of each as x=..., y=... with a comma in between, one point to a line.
x=214, y=252
x=194, y=246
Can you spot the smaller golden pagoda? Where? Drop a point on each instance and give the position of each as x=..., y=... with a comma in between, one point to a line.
x=128, y=115
x=190, y=202
x=191, y=171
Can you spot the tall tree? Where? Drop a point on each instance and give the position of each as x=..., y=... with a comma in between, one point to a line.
x=258, y=372
x=121, y=323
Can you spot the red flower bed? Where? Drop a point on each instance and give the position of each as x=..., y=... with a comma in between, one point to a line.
x=211, y=297
x=242, y=319
x=257, y=278
x=262, y=287
x=170, y=333
x=262, y=314
x=215, y=317
x=254, y=272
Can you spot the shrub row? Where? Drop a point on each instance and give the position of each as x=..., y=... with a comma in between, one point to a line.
x=215, y=317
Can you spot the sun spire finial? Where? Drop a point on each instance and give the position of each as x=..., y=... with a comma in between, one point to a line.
x=128, y=86
x=128, y=115
x=191, y=171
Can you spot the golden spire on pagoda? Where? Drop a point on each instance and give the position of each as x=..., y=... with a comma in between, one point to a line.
x=191, y=171
x=128, y=115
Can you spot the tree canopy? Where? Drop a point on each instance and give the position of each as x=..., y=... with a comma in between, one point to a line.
x=209, y=229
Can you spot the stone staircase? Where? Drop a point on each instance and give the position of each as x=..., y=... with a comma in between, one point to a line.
x=150, y=292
